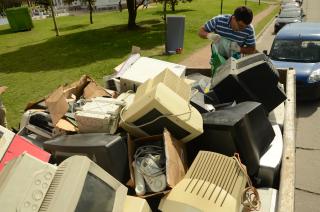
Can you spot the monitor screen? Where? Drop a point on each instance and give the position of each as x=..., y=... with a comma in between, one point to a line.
x=81, y=185
x=95, y=195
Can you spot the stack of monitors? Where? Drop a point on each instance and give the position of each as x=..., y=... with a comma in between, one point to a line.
x=243, y=128
x=251, y=78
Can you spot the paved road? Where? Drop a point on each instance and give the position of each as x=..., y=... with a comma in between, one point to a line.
x=307, y=193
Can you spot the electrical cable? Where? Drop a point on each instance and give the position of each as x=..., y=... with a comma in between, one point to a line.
x=252, y=200
x=159, y=117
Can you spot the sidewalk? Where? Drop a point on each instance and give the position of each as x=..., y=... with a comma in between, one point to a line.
x=200, y=59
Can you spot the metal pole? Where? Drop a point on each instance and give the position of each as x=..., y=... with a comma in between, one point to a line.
x=245, y=2
x=259, y=2
x=221, y=7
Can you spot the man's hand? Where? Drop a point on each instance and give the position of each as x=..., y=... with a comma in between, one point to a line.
x=235, y=47
x=215, y=38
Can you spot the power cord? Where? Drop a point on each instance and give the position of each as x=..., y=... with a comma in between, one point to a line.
x=250, y=198
x=147, y=156
x=159, y=117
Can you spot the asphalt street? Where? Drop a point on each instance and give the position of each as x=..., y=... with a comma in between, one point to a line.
x=307, y=192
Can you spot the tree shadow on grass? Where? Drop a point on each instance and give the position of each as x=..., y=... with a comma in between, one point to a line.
x=5, y=31
x=169, y=12
x=82, y=48
x=73, y=27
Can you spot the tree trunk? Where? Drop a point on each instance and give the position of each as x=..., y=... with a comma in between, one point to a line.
x=132, y=10
x=54, y=19
x=91, y=9
x=165, y=25
x=173, y=5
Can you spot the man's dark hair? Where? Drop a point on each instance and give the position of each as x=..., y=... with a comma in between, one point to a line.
x=243, y=14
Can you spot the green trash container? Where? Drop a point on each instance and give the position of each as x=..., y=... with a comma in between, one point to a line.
x=19, y=18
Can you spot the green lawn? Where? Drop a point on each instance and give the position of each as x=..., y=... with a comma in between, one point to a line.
x=34, y=63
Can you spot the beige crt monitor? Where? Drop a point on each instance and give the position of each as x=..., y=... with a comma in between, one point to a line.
x=136, y=204
x=24, y=182
x=214, y=182
x=159, y=105
x=81, y=185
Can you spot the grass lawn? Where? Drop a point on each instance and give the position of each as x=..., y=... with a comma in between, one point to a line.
x=34, y=63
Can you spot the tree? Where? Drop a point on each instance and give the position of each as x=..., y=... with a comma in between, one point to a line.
x=4, y=4
x=90, y=3
x=133, y=6
x=173, y=3
x=48, y=3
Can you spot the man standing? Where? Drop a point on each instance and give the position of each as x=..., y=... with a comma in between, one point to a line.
x=236, y=28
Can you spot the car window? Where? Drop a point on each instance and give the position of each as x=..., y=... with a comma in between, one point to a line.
x=296, y=50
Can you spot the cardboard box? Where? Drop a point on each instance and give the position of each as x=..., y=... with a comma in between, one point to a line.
x=57, y=101
x=176, y=159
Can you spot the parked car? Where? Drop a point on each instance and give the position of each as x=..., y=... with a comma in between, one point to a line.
x=290, y=1
x=297, y=45
x=286, y=17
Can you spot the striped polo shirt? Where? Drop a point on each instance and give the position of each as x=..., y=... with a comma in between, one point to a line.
x=221, y=25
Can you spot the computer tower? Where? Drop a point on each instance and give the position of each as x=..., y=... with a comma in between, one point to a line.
x=243, y=128
x=108, y=151
x=175, y=33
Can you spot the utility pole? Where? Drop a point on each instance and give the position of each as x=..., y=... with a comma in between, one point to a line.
x=54, y=19
x=221, y=6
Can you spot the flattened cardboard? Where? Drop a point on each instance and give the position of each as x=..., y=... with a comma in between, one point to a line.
x=57, y=101
x=66, y=125
x=57, y=105
x=93, y=90
x=175, y=159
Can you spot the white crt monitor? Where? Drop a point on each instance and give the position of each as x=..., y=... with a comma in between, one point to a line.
x=24, y=182
x=82, y=186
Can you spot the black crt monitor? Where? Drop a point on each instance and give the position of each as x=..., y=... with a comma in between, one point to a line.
x=251, y=78
x=243, y=128
x=108, y=151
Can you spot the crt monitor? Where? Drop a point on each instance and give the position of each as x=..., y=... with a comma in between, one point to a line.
x=81, y=185
x=251, y=78
x=78, y=184
x=243, y=128
x=214, y=182
x=24, y=182
x=108, y=151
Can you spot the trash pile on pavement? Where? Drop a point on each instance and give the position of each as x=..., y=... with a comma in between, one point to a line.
x=159, y=132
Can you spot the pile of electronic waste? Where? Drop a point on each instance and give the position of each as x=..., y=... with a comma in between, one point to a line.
x=171, y=135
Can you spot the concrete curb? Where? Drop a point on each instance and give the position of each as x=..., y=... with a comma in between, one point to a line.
x=264, y=28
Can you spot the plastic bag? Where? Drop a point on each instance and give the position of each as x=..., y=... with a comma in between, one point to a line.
x=216, y=60
x=224, y=48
